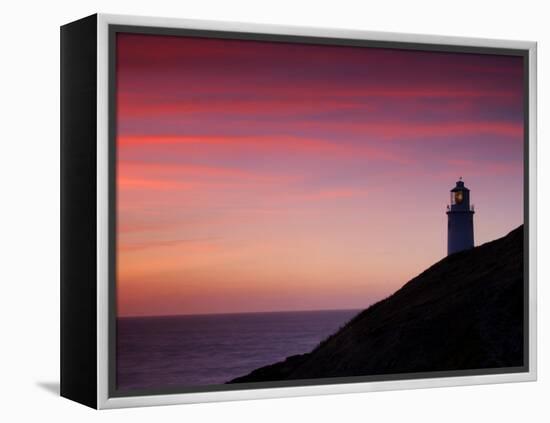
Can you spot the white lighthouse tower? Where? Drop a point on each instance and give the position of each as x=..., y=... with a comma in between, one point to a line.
x=460, y=229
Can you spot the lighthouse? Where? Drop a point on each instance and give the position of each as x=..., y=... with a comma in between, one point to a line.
x=460, y=225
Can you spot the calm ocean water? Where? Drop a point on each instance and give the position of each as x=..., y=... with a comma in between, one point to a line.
x=161, y=352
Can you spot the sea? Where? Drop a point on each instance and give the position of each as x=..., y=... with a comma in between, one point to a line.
x=195, y=350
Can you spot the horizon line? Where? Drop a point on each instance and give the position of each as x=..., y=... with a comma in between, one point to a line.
x=137, y=316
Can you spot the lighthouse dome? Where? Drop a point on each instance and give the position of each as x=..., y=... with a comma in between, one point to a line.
x=459, y=186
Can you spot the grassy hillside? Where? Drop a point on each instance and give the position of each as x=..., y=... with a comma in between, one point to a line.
x=464, y=312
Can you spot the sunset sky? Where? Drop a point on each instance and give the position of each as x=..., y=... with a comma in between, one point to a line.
x=256, y=176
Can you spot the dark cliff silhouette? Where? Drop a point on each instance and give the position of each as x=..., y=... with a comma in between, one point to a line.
x=464, y=312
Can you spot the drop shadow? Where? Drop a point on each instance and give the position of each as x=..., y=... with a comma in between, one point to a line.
x=51, y=387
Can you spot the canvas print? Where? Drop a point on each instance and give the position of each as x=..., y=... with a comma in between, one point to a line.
x=298, y=212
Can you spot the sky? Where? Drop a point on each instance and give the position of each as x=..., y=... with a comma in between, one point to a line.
x=261, y=176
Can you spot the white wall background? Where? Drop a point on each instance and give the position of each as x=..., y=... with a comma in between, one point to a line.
x=29, y=236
